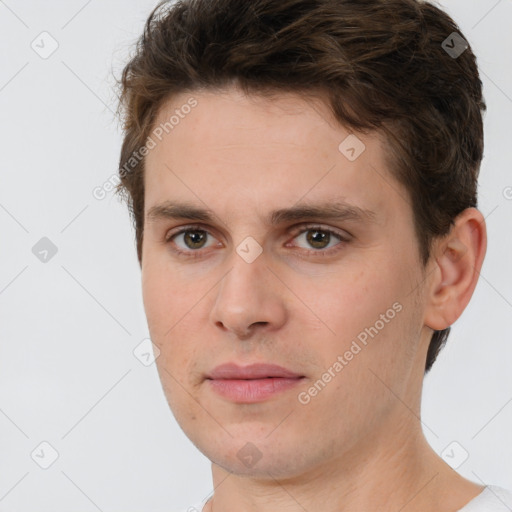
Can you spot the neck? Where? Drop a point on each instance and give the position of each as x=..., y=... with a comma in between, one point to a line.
x=385, y=472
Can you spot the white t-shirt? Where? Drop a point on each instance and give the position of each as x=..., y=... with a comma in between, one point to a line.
x=492, y=499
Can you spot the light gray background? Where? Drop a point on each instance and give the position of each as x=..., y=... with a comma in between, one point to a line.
x=68, y=327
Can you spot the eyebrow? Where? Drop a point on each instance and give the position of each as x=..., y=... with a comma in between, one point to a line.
x=332, y=210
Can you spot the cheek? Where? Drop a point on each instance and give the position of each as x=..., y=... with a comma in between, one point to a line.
x=348, y=300
x=169, y=307
x=369, y=306
x=164, y=297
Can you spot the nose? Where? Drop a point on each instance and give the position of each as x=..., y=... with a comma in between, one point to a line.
x=249, y=298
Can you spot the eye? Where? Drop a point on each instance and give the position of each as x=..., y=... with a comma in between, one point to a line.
x=193, y=239
x=190, y=240
x=320, y=239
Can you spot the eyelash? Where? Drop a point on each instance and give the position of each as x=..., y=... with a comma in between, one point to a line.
x=295, y=232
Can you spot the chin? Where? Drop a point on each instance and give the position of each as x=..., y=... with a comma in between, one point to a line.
x=259, y=458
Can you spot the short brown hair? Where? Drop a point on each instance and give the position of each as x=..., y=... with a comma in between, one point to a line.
x=382, y=64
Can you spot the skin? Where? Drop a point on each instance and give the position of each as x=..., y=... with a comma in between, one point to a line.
x=358, y=444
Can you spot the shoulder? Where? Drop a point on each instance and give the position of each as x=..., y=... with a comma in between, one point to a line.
x=493, y=498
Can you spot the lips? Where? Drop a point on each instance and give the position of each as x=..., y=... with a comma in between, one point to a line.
x=251, y=384
x=232, y=371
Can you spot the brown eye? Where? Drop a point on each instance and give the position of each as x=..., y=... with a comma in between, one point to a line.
x=321, y=240
x=189, y=240
x=318, y=238
x=194, y=239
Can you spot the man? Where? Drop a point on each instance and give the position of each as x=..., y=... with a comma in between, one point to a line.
x=302, y=177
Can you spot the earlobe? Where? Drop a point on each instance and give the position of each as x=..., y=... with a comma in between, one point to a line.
x=458, y=259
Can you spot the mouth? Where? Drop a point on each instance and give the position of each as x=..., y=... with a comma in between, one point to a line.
x=253, y=383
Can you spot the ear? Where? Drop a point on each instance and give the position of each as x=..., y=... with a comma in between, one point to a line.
x=457, y=260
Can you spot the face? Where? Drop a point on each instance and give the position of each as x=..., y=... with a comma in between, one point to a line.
x=296, y=249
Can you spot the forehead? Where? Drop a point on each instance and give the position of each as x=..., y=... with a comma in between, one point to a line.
x=228, y=116
x=271, y=151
